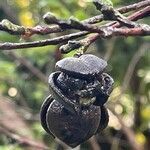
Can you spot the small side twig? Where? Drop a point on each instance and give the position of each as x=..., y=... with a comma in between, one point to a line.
x=128, y=132
x=94, y=143
x=135, y=59
x=11, y=28
x=29, y=66
x=23, y=141
x=54, y=41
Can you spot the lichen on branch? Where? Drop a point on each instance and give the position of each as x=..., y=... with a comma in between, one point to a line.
x=119, y=25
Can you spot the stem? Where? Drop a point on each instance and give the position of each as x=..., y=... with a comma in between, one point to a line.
x=54, y=41
x=43, y=30
x=108, y=30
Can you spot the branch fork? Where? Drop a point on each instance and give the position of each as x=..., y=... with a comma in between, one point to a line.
x=119, y=26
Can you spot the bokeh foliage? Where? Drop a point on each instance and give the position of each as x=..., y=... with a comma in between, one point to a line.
x=28, y=91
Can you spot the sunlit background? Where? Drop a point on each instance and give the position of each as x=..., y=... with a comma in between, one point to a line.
x=22, y=90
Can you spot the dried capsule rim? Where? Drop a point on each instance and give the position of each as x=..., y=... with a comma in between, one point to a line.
x=104, y=119
x=86, y=66
x=43, y=112
x=58, y=95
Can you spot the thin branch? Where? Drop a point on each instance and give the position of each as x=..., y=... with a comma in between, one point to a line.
x=21, y=140
x=54, y=41
x=94, y=143
x=109, y=49
x=128, y=132
x=73, y=23
x=124, y=9
x=135, y=6
x=92, y=37
x=133, y=17
x=35, y=71
x=139, y=31
x=135, y=59
x=103, y=32
x=43, y=30
x=145, y=12
x=116, y=141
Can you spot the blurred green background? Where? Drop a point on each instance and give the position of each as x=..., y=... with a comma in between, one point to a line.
x=24, y=73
